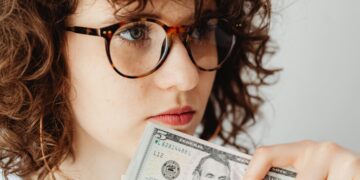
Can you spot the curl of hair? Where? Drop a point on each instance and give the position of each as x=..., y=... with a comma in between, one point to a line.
x=35, y=112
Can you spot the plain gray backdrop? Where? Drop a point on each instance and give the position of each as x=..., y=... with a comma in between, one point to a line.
x=318, y=93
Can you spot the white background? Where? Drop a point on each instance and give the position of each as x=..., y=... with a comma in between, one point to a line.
x=318, y=93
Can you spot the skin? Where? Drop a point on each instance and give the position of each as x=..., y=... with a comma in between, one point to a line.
x=311, y=160
x=111, y=111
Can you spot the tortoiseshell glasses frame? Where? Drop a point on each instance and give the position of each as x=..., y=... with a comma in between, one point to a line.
x=184, y=31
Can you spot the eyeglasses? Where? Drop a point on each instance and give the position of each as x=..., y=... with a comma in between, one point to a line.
x=138, y=47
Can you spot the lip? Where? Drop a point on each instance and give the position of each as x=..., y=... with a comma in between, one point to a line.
x=175, y=116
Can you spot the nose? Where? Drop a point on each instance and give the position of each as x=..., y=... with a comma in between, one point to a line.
x=178, y=71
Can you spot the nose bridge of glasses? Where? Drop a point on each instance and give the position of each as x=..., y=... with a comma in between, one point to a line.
x=172, y=32
x=176, y=30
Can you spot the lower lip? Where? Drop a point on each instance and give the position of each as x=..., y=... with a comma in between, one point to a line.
x=175, y=119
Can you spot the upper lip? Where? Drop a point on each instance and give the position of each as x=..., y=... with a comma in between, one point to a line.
x=177, y=111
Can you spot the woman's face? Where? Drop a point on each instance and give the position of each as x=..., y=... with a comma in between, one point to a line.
x=112, y=111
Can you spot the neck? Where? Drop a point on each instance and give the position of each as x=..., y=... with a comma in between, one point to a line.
x=93, y=160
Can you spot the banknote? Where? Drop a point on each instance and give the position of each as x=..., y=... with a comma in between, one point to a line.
x=166, y=154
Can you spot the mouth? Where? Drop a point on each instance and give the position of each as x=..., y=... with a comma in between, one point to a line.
x=175, y=117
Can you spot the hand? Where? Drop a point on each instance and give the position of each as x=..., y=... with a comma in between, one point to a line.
x=312, y=161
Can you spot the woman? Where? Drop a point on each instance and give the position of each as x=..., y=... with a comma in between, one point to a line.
x=80, y=80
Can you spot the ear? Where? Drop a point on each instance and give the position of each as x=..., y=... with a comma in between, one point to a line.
x=196, y=175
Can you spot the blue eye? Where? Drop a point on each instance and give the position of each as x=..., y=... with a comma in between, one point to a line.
x=134, y=33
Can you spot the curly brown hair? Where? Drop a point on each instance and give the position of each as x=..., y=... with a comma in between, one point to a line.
x=35, y=112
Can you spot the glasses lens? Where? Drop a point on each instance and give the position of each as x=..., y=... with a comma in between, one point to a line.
x=136, y=48
x=211, y=43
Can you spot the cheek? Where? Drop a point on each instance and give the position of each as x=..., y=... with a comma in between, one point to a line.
x=112, y=109
x=205, y=86
x=201, y=94
x=207, y=81
x=100, y=98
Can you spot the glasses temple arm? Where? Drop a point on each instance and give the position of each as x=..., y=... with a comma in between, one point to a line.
x=84, y=30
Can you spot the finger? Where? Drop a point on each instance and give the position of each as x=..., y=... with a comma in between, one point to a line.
x=344, y=175
x=283, y=155
x=314, y=169
x=346, y=168
x=259, y=165
x=337, y=163
x=357, y=176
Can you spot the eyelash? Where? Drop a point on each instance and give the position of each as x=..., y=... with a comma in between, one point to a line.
x=146, y=29
x=203, y=27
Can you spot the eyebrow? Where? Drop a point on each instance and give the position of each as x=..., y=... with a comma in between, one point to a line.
x=135, y=15
x=186, y=19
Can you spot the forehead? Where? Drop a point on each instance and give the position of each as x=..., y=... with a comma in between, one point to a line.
x=100, y=12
